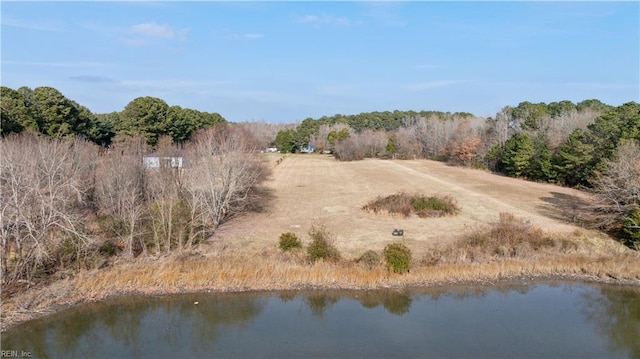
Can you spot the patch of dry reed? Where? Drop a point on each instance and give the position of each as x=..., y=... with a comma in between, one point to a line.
x=508, y=249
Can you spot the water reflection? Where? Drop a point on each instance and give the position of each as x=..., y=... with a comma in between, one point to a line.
x=134, y=325
x=506, y=321
x=616, y=314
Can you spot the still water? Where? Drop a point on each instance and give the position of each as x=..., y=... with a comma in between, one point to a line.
x=538, y=320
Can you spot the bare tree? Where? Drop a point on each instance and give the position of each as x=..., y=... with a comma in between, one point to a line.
x=374, y=142
x=120, y=186
x=46, y=184
x=349, y=149
x=223, y=173
x=462, y=147
x=164, y=190
x=407, y=144
x=560, y=128
x=264, y=133
x=618, y=189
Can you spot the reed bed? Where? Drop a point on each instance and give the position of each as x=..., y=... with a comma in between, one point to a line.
x=508, y=249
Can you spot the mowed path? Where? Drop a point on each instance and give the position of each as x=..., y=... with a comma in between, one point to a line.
x=316, y=189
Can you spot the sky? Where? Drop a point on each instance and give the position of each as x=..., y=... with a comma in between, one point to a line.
x=282, y=62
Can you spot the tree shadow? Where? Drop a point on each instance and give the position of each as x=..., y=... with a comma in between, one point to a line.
x=565, y=207
x=261, y=199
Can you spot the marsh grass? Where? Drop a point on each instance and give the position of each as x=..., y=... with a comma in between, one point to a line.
x=509, y=248
x=404, y=205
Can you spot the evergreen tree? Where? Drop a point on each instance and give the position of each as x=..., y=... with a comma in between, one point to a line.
x=518, y=151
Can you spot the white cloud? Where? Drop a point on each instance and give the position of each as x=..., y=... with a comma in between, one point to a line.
x=144, y=34
x=432, y=84
x=153, y=29
x=325, y=19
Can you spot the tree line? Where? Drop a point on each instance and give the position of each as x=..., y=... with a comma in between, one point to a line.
x=587, y=145
x=47, y=111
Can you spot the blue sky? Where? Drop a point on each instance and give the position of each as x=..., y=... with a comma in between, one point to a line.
x=286, y=61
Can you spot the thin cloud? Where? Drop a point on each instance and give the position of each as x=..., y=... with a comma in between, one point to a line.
x=168, y=85
x=432, y=84
x=57, y=64
x=92, y=79
x=154, y=30
x=247, y=36
x=324, y=19
x=384, y=13
x=601, y=85
x=30, y=25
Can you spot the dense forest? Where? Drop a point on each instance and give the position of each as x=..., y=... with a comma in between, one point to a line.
x=47, y=111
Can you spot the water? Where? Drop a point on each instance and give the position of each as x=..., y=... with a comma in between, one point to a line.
x=538, y=321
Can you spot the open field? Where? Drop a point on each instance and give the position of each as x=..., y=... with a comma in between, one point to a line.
x=310, y=189
x=313, y=189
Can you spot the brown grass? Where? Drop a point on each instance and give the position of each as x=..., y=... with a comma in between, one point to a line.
x=468, y=248
x=276, y=270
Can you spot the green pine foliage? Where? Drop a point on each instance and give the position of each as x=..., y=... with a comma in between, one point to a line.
x=47, y=111
x=517, y=154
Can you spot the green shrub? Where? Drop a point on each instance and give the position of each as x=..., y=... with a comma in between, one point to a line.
x=398, y=257
x=289, y=241
x=631, y=228
x=321, y=246
x=370, y=259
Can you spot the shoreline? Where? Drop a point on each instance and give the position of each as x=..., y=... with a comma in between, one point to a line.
x=99, y=285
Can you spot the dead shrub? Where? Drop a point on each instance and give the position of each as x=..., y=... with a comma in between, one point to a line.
x=405, y=204
x=370, y=259
x=512, y=237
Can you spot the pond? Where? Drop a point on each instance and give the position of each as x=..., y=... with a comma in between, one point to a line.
x=537, y=320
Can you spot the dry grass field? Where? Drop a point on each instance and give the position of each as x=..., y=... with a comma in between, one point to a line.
x=316, y=189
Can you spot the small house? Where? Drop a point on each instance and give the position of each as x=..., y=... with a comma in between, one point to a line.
x=309, y=148
x=163, y=162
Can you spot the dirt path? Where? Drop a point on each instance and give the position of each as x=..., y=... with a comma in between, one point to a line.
x=317, y=189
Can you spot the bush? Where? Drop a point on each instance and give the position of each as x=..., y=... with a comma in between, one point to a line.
x=398, y=257
x=512, y=237
x=404, y=204
x=631, y=227
x=370, y=259
x=289, y=241
x=321, y=246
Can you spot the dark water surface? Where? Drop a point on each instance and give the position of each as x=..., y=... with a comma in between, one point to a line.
x=538, y=321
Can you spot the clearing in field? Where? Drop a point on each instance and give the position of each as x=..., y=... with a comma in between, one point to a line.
x=316, y=189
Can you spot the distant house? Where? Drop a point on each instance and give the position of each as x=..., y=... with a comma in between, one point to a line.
x=309, y=148
x=163, y=162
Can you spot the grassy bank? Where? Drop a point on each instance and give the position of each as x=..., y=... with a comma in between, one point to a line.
x=274, y=270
